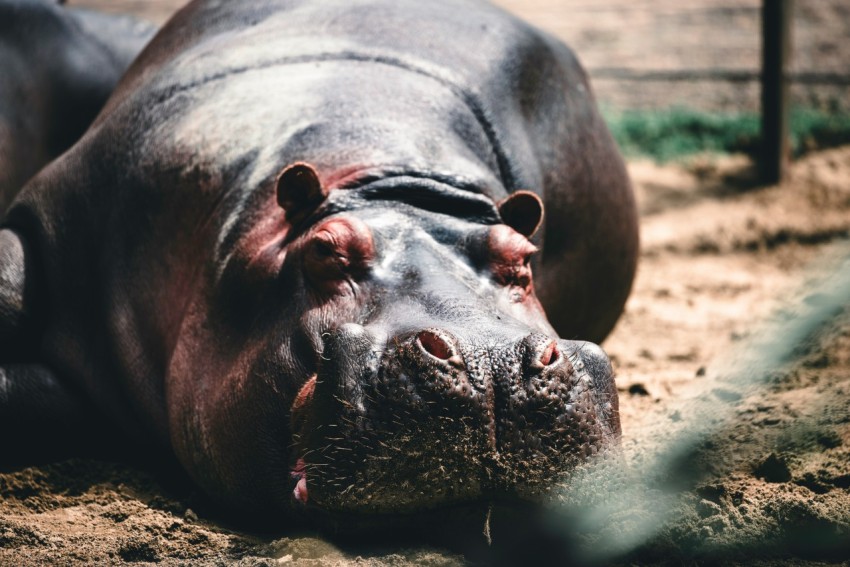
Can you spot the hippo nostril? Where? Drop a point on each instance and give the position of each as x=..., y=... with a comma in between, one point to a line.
x=435, y=345
x=550, y=354
x=540, y=352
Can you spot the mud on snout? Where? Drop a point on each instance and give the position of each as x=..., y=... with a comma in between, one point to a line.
x=427, y=420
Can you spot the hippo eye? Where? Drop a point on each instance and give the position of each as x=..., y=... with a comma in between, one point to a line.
x=521, y=277
x=516, y=276
x=339, y=250
x=323, y=261
x=322, y=249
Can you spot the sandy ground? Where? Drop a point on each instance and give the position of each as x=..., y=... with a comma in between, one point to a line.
x=719, y=256
x=663, y=35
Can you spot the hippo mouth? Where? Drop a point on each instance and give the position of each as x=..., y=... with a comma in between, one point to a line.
x=425, y=423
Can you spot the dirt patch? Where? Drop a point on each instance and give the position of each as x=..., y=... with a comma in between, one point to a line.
x=718, y=257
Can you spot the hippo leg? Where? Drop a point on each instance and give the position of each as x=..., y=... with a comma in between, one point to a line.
x=18, y=311
x=39, y=415
x=15, y=287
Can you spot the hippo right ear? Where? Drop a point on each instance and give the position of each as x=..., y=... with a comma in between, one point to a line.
x=523, y=212
x=299, y=191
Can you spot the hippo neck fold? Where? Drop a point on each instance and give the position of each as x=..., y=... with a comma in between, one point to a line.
x=425, y=191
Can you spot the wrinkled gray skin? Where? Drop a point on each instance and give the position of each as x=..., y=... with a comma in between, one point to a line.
x=373, y=352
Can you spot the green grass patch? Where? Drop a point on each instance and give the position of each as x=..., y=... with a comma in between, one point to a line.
x=671, y=134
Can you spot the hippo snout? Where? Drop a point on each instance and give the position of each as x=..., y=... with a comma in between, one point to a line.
x=462, y=419
x=539, y=350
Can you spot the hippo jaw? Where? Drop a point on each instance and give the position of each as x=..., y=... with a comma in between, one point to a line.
x=426, y=421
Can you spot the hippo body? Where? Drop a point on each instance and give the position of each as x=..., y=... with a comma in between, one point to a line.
x=294, y=249
x=59, y=67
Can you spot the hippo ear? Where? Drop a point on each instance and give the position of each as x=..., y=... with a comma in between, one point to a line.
x=523, y=212
x=299, y=191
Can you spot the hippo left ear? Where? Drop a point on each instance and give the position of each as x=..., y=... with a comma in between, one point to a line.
x=523, y=212
x=299, y=191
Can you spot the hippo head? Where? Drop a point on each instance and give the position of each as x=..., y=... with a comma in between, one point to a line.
x=379, y=351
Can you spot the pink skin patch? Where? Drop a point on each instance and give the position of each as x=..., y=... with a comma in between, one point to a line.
x=301, y=403
x=510, y=253
x=550, y=354
x=299, y=493
x=337, y=251
x=298, y=418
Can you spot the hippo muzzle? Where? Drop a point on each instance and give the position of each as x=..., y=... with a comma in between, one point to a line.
x=428, y=419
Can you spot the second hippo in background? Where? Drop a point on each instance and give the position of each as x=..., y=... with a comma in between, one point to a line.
x=59, y=65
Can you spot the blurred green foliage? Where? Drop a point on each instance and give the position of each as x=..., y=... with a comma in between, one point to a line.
x=678, y=132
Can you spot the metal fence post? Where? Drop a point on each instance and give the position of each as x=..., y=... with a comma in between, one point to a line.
x=776, y=51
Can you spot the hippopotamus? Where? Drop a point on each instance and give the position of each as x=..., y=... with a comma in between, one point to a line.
x=59, y=67
x=295, y=250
